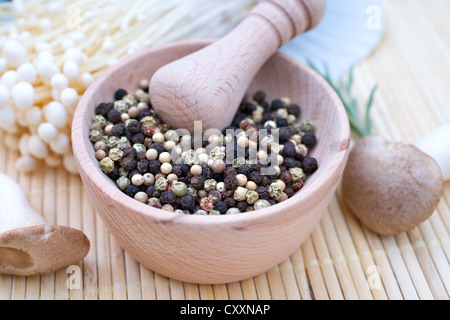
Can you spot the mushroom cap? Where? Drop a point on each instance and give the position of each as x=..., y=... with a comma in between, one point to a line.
x=41, y=249
x=390, y=187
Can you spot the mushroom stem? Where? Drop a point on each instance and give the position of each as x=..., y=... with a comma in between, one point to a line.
x=29, y=245
x=15, y=211
x=437, y=145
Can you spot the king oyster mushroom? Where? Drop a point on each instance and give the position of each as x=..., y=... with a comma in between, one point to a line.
x=29, y=245
x=393, y=187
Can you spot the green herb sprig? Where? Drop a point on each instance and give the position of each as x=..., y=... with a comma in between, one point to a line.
x=360, y=126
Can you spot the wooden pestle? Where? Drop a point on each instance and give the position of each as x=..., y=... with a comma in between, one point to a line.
x=208, y=85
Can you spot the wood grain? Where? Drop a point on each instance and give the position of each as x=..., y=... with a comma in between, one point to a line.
x=208, y=85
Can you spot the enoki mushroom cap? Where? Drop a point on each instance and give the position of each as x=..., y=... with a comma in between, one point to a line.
x=391, y=187
x=41, y=249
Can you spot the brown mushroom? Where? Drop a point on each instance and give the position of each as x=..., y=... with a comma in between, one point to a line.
x=393, y=187
x=29, y=245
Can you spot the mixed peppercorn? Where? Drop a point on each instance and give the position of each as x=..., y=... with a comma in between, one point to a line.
x=259, y=160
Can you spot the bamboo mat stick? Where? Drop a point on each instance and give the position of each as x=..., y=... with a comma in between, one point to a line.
x=300, y=274
x=436, y=251
x=234, y=291
x=313, y=270
x=262, y=286
x=49, y=213
x=398, y=266
x=62, y=211
x=19, y=282
x=191, y=291
x=75, y=221
x=431, y=273
x=441, y=232
x=147, y=283
x=370, y=267
x=249, y=289
x=36, y=201
x=162, y=287
x=90, y=276
x=133, y=277
x=340, y=262
x=206, y=292
x=414, y=268
x=103, y=259
x=119, y=285
x=220, y=291
x=5, y=280
x=276, y=284
x=326, y=264
x=289, y=282
x=176, y=289
x=348, y=247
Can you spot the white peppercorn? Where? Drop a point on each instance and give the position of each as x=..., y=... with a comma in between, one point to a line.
x=137, y=180
x=149, y=179
x=221, y=187
x=166, y=168
x=240, y=193
x=241, y=179
x=260, y=204
x=151, y=154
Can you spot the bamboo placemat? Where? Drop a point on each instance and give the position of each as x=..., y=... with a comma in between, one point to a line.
x=341, y=259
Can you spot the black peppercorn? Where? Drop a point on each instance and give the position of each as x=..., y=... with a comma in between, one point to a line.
x=215, y=196
x=230, y=202
x=115, y=173
x=299, y=156
x=102, y=109
x=184, y=169
x=114, y=116
x=156, y=204
x=282, y=122
x=154, y=166
x=284, y=134
x=229, y=170
x=129, y=152
x=131, y=190
x=242, y=205
x=187, y=201
x=309, y=165
x=288, y=150
x=309, y=139
x=128, y=163
x=149, y=191
x=158, y=147
x=207, y=173
x=289, y=191
x=276, y=104
x=118, y=130
x=168, y=197
x=259, y=96
x=142, y=165
x=138, y=138
x=289, y=163
x=176, y=169
x=134, y=127
x=140, y=155
x=132, y=173
x=294, y=109
x=266, y=117
x=228, y=193
x=256, y=177
x=245, y=169
x=198, y=181
x=221, y=207
x=144, y=113
x=263, y=193
x=272, y=201
x=119, y=94
x=230, y=181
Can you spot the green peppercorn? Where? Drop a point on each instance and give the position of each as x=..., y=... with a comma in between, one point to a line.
x=237, y=162
x=151, y=201
x=210, y=184
x=201, y=212
x=107, y=165
x=112, y=142
x=101, y=120
x=139, y=147
x=233, y=211
x=121, y=106
x=240, y=193
x=214, y=212
x=191, y=158
x=297, y=174
x=252, y=196
x=260, y=204
x=179, y=188
x=123, y=182
x=307, y=126
x=148, y=121
x=275, y=191
x=216, y=153
x=115, y=154
x=95, y=135
x=161, y=184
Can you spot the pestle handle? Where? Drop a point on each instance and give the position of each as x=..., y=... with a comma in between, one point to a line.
x=208, y=85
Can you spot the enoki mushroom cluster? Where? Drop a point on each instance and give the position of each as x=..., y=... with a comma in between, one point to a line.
x=50, y=52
